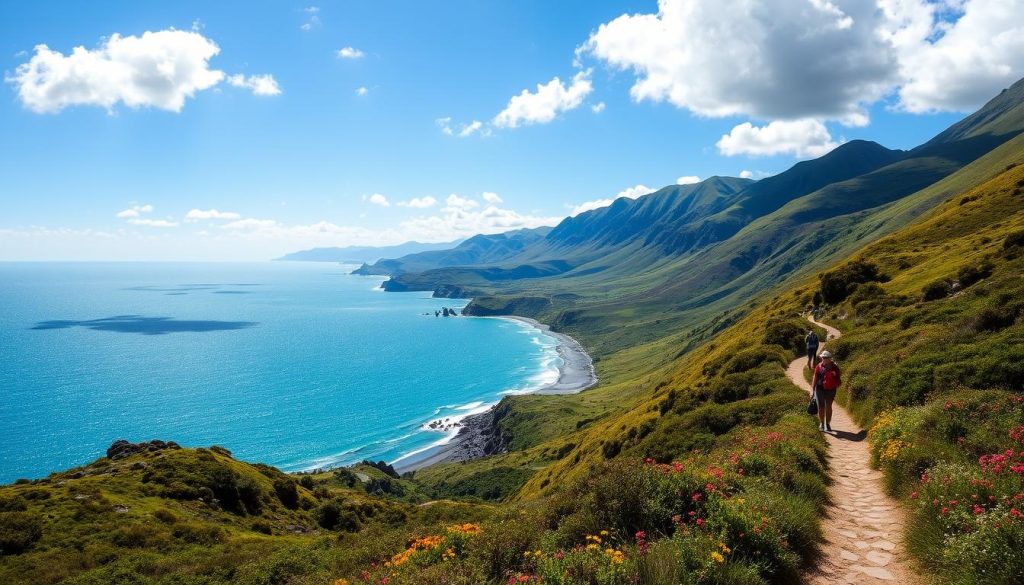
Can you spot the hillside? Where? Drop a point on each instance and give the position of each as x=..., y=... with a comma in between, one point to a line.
x=364, y=254
x=480, y=249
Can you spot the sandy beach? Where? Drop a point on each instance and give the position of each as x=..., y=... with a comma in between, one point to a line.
x=575, y=374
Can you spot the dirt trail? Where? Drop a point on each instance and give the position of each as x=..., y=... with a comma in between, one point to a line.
x=863, y=529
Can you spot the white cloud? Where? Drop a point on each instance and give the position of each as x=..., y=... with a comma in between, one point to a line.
x=597, y=108
x=350, y=53
x=378, y=199
x=258, y=84
x=470, y=128
x=548, y=101
x=823, y=59
x=361, y=91
x=687, y=180
x=756, y=175
x=134, y=211
x=459, y=219
x=491, y=198
x=629, y=193
x=159, y=69
x=201, y=214
x=445, y=124
x=772, y=59
x=159, y=223
x=801, y=138
x=311, y=9
x=635, y=191
x=956, y=66
x=455, y=202
x=419, y=202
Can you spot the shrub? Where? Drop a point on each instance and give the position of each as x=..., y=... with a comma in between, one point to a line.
x=333, y=515
x=19, y=531
x=166, y=516
x=749, y=359
x=287, y=492
x=786, y=334
x=992, y=319
x=969, y=275
x=1016, y=239
x=936, y=290
x=836, y=285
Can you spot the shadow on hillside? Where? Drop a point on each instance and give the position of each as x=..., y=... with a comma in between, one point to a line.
x=848, y=436
x=146, y=325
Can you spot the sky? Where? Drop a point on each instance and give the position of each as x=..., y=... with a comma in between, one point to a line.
x=237, y=130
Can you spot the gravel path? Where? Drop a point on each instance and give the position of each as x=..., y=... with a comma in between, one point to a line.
x=863, y=528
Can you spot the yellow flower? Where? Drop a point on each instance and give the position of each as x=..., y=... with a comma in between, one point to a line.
x=592, y=546
x=604, y=533
x=341, y=582
x=724, y=548
x=717, y=556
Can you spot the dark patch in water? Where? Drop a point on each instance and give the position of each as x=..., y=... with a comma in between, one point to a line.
x=232, y=292
x=171, y=289
x=171, y=294
x=146, y=325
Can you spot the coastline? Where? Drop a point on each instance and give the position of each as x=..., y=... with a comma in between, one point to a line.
x=575, y=374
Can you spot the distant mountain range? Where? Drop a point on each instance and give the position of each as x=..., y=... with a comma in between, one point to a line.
x=681, y=254
x=364, y=254
x=480, y=249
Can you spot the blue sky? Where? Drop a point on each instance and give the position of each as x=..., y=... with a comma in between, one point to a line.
x=296, y=162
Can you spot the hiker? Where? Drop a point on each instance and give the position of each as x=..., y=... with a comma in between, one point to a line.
x=827, y=379
x=811, y=339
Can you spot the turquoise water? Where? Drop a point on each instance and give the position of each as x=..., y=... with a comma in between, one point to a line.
x=298, y=365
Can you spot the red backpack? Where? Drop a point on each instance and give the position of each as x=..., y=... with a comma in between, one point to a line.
x=831, y=378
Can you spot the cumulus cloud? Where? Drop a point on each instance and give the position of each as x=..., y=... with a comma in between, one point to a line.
x=687, y=180
x=801, y=138
x=454, y=201
x=160, y=69
x=597, y=108
x=134, y=211
x=378, y=199
x=419, y=202
x=955, y=66
x=548, y=101
x=201, y=214
x=350, y=53
x=629, y=193
x=775, y=59
x=821, y=59
x=491, y=198
x=362, y=91
x=258, y=84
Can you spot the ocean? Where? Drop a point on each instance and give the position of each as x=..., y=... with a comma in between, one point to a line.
x=296, y=365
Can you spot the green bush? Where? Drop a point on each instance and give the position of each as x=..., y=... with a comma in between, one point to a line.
x=838, y=284
x=287, y=492
x=934, y=291
x=19, y=531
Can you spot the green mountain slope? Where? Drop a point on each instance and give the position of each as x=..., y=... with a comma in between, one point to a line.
x=480, y=249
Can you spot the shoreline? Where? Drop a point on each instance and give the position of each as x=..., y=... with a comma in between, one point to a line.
x=575, y=374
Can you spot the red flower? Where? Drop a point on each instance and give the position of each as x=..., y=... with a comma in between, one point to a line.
x=913, y=496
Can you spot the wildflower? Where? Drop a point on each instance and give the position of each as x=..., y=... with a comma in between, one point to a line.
x=700, y=522
x=717, y=556
x=913, y=496
x=560, y=555
x=978, y=509
x=341, y=582
x=604, y=533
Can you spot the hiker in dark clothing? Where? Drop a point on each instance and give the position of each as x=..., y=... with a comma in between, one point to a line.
x=812, y=348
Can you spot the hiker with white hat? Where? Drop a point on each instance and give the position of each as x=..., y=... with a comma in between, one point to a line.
x=827, y=379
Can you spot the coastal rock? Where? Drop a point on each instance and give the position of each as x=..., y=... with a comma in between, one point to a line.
x=121, y=448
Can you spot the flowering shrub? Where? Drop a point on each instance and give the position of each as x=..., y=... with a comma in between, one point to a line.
x=969, y=501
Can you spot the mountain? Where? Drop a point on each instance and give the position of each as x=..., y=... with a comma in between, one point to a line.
x=479, y=249
x=725, y=240
x=364, y=254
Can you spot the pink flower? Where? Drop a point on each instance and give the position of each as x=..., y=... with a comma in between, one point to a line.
x=700, y=522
